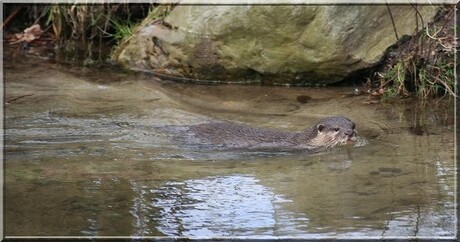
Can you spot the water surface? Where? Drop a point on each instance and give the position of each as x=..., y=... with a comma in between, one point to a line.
x=84, y=157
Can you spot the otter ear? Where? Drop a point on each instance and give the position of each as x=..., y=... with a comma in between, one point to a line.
x=320, y=127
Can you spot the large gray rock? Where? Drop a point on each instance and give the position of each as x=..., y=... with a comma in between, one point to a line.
x=273, y=44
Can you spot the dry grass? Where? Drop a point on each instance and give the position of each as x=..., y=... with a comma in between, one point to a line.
x=422, y=65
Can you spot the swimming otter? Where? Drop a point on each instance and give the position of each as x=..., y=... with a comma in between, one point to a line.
x=328, y=132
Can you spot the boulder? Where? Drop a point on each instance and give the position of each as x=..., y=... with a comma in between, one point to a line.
x=297, y=44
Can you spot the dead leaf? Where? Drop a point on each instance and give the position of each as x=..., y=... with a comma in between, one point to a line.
x=29, y=35
x=33, y=32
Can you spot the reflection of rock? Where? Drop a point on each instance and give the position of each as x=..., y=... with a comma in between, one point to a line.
x=282, y=44
x=217, y=206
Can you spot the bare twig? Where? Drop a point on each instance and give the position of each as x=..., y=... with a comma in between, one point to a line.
x=10, y=17
x=419, y=14
x=393, y=22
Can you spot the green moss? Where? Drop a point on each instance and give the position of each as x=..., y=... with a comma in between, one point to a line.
x=160, y=12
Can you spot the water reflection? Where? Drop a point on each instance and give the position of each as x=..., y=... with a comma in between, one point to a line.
x=235, y=205
x=86, y=159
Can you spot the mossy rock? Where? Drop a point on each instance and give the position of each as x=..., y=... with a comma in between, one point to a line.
x=304, y=44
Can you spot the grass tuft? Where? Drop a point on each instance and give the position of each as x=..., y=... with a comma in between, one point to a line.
x=422, y=66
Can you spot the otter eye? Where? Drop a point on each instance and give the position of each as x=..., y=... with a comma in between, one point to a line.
x=336, y=129
x=320, y=127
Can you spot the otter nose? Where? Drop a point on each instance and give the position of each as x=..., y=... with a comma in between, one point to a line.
x=349, y=132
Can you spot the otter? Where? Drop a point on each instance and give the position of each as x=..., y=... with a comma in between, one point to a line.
x=328, y=132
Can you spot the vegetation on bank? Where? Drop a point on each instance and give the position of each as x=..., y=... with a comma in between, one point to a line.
x=82, y=33
x=421, y=65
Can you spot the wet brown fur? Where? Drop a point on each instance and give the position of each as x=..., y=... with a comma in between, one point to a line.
x=328, y=132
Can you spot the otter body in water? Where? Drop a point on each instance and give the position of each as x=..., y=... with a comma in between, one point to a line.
x=328, y=132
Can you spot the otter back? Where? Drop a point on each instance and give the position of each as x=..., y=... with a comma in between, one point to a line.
x=230, y=135
x=326, y=133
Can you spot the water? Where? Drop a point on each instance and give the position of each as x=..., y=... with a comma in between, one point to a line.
x=84, y=157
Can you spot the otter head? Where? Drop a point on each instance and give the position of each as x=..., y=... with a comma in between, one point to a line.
x=333, y=131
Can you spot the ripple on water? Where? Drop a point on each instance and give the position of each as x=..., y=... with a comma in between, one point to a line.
x=399, y=180
x=235, y=205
